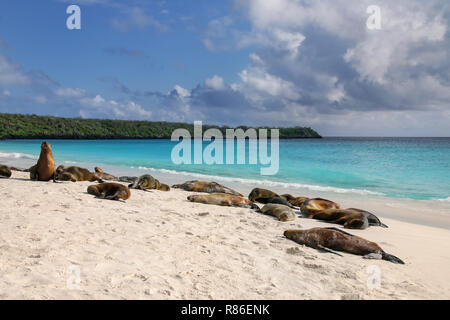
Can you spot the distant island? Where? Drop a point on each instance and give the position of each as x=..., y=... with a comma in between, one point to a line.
x=21, y=126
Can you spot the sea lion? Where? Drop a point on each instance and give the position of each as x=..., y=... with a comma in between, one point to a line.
x=44, y=169
x=105, y=176
x=315, y=205
x=205, y=186
x=110, y=191
x=5, y=171
x=75, y=174
x=147, y=182
x=330, y=239
x=261, y=195
x=282, y=212
x=223, y=199
x=295, y=201
x=128, y=179
x=351, y=218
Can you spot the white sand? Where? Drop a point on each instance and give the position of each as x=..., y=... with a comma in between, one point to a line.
x=158, y=245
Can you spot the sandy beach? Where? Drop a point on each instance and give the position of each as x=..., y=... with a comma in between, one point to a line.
x=157, y=245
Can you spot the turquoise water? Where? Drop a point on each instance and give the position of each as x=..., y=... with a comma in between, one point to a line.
x=416, y=168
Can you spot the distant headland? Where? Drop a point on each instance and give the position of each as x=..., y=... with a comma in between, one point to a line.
x=21, y=126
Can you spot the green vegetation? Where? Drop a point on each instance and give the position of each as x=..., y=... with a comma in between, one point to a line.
x=19, y=126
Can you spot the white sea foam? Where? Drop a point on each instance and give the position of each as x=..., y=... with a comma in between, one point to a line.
x=16, y=155
x=266, y=183
x=444, y=200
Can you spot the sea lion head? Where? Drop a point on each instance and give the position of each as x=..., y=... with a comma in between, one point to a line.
x=98, y=170
x=291, y=234
x=164, y=187
x=192, y=198
x=46, y=147
x=60, y=169
x=5, y=171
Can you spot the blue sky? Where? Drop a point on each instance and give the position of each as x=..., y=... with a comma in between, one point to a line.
x=271, y=62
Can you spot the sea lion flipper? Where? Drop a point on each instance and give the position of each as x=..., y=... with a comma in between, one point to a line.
x=391, y=258
x=321, y=247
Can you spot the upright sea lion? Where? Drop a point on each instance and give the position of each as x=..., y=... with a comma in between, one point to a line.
x=295, y=201
x=329, y=239
x=105, y=176
x=5, y=171
x=223, y=199
x=75, y=174
x=261, y=195
x=110, y=191
x=282, y=212
x=147, y=182
x=315, y=205
x=205, y=186
x=44, y=169
x=351, y=218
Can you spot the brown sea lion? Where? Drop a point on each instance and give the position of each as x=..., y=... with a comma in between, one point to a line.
x=110, y=191
x=261, y=195
x=295, y=201
x=204, y=186
x=282, y=212
x=75, y=174
x=5, y=171
x=223, y=199
x=351, y=218
x=147, y=182
x=105, y=176
x=330, y=239
x=315, y=205
x=44, y=169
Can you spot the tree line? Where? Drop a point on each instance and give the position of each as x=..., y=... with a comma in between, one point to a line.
x=21, y=126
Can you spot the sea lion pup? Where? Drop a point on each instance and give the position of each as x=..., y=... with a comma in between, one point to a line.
x=147, y=182
x=205, y=186
x=5, y=171
x=44, y=169
x=110, y=191
x=75, y=174
x=105, y=176
x=223, y=199
x=282, y=212
x=315, y=205
x=330, y=239
x=295, y=201
x=351, y=218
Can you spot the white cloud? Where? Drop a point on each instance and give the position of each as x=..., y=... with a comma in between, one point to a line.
x=215, y=82
x=11, y=74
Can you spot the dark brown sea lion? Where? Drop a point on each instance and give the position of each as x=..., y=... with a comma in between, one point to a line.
x=330, y=239
x=147, y=182
x=282, y=212
x=351, y=218
x=5, y=171
x=295, y=201
x=44, y=170
x=315, y=205
x=105, y=176
x=261, y=195
x=205, y=186
x=110, y=191
x=223, y=199
x=75, y=174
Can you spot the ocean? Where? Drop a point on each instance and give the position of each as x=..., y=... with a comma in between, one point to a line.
x=411, y=168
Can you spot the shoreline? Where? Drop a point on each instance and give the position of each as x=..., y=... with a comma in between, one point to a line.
x=157, y=245
x=433, y=213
